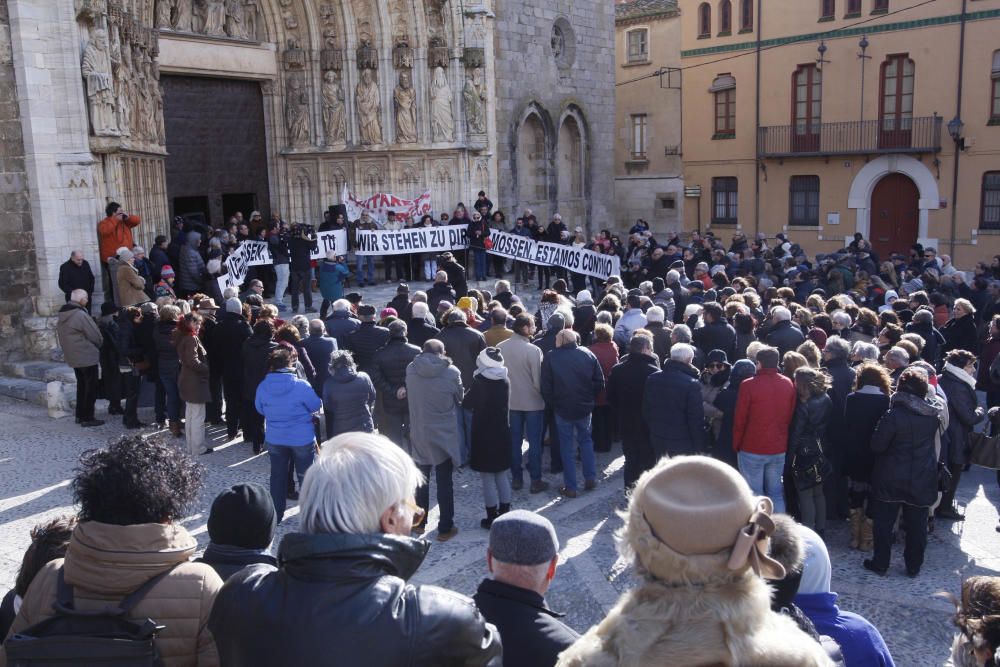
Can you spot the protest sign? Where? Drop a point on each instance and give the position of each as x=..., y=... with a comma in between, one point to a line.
x=577, y=260
x=247, y=254
x=378, y=206
x=413, y=240
x=326, y=241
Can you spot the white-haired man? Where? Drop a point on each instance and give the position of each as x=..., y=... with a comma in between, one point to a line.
x=672, y=405
x=80, y=340
x=342, y=323
x=783, y=333
x=339, y=595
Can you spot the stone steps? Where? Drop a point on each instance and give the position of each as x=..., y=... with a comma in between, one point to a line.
x=49, y=384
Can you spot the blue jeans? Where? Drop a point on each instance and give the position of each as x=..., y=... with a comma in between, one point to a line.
x=465, y=433
x=528, y=424
x=366, y=269
x=573, y=432
x=172, y=392
x=445, y=494
x=479, y=258
x=763, y=473
x=281, y=456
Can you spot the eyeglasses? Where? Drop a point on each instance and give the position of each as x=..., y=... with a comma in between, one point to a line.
x=419, y=514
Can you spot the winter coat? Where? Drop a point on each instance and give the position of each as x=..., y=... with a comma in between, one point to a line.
x=716, y=336
x=785, y=336
x=340, y=325
x=131, y=286
x=364, y=342
x=584, y=319
x=456, y=278
x=191, y=273
x=672, y=407
x=764, y=413
x=661, y=341
x=631, y=321
x=859, y=641
x=348, y=402
x=168, y=364
x=462, y=344
x=571, y=380
x=960, y=334
x=906, y=462
x=73, y=277
x=342, y=599
x=113, y=232
x=79, y=336
x=256, y=352
x=497, y=334
x=231, y=332
x=522, y=614
x=389, y=373
x=434, y=394
x=419, y=332
x=331, y=279
x=300, y=251
x=319, y=349
x=437, y=293
x=523, y=361
x=807, y=439
x=842, y=376
x=277, y=243
x=287, y=404
x=864, y=410
x=193, y=378
x=488, y=399
x=725, y=401
x=933, y=341
x=105, y=563
x=607, y=356
x=991, y=348
x=626, y=382
x=959, y=387
x=227, y=560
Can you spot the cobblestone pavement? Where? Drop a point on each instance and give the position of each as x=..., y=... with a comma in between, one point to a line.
x=37, y=456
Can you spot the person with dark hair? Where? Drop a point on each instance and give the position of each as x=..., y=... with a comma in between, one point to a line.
x=241, y=526
x=49, y=541
x=808, y=445
x=255, y=355
x=626, y=381
x=958, y=381
x=192, y=382
x=977, y=617
x=523, y=361
x=132, y=496
x=725, y=402
x=717, y=334
x=113, y=232
x=348, y=397
x=905, y=474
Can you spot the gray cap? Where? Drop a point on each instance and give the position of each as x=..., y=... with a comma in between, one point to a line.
x=233, y=305
x=521, y=537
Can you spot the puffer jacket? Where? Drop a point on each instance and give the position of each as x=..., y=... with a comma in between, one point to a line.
x=256, y=351
x=342, y=599
x=672, y=407
x=131, y=286
x=168, y=364
x=79, y=336
x=785, y=336
x=105, y=563
x=389, y=373
x=958, y=386
x=191, y=273
x=340, y=325
x=348, y=401
x=571, y=381
x=364, y=342
x=462, y=344
x=905, y=469
x=434, y=394
x=287, y=404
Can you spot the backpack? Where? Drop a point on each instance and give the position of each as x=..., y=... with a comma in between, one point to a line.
x=93, y=638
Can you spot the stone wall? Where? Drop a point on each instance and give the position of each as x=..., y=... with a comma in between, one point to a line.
x=555, y=88
x=18, y=277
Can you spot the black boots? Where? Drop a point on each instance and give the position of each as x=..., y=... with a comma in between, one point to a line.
x=491, y=514
x=504, y=508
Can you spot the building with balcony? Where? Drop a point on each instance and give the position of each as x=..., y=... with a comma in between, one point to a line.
x=830, y=117
x=648, y=174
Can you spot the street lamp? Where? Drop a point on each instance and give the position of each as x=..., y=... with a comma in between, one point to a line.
x=955, y=126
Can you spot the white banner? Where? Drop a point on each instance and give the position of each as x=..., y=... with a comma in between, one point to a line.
x=378, y=206
x=577, y=260
x=415, y=239
x=326, y=241
x=256, y=253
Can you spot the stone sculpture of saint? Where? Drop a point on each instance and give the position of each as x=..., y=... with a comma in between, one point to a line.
x=96, y=68
x=163, y=9
x=250, y=13
x=297, y=113
x=405, y=99
x=475, y=102
x=235, y=26
x=369, y=105
x=122, y=96
x=334, y=111
x=215, y=18
x=442, y=115
x=183, y=16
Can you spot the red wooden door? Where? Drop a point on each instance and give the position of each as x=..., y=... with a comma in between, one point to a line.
x=895, y=215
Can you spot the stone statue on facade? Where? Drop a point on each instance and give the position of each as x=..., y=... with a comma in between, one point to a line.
x=250, y=14
x=235, y=27
x=124, y=110
x=475, y=102
x=96, y=68
x=215, y=18
x=334, y=110
x=442, y=115
x=297, y=113
x=163, y=10
x=369, y=105
x=405, y=100
x=182, y=18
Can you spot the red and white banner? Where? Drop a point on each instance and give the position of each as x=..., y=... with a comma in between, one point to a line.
x=378, y=206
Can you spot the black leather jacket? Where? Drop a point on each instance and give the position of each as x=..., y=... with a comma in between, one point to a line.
x=340, y=599
x=809, y=429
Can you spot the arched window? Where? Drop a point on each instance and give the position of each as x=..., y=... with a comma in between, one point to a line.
x=995, y=89
x=704, y=20
x=827, y=9
x=746, y=14
x=724, y=90
x=570, y=152
x=532, y=171
x=725, y=17
x=896, y=102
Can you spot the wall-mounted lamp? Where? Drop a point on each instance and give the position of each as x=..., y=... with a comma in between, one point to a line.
x=955, y=126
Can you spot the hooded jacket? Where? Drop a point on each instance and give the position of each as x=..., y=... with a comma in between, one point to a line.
x=343, y=599
x=79, y=336
x=434, y=391
x=348, y=401
x=192, y=267
x=287, y=404
x=105, y=563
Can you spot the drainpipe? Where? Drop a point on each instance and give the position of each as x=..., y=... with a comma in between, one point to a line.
x=958, y=149
x=756, y=135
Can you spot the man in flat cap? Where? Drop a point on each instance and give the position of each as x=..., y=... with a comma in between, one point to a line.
x=522, y=556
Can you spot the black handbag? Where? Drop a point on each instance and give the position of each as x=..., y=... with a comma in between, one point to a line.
x=984, y=450
x=810, y=470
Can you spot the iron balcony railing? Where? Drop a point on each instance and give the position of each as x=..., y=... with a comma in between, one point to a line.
x=859, y=137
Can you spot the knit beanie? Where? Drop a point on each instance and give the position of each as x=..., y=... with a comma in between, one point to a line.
x=243, y=516
x=489, y=358
x=167, y=272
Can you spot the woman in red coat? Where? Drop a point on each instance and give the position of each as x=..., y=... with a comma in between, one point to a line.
x=607, y=355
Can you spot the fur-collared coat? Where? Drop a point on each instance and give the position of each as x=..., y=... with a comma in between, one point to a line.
x=693, y=613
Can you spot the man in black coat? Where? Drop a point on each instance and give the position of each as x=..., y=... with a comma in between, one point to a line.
x=256, y=352
x=389, y=377
x=341, y=323
x=231, y=331
x=522, y=557
x=300, y=265
x=836, y=354
x=75, y=273
x=672, y=405
x=626, y=382
x=367, y=339
x=320, y=348
x=240, y=529
x=923, y=325
x=717, y=334
x=456, y=274
x=782, y=334
x=419, y=331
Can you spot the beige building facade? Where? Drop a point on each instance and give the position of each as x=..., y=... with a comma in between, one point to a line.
x=648, y=151
x=823, y=119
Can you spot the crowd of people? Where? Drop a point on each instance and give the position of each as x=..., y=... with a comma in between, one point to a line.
x=799, y=391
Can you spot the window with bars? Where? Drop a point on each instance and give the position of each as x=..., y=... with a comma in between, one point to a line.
x=725, y=196
x=990, y=215
x=803, y=201
x=995, y=89
x=638, y=45
x=639, y=136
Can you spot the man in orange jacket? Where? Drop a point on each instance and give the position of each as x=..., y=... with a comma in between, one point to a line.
x=113, y=232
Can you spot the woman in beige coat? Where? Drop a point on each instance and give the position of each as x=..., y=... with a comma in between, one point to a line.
x=131, y=286
x=193, y=380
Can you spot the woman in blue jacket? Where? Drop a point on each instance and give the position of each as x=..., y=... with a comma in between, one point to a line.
x=332, y=273
x=288, y=404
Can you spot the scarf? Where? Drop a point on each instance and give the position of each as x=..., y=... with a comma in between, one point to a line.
x=960, y=374
x=493, y=373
